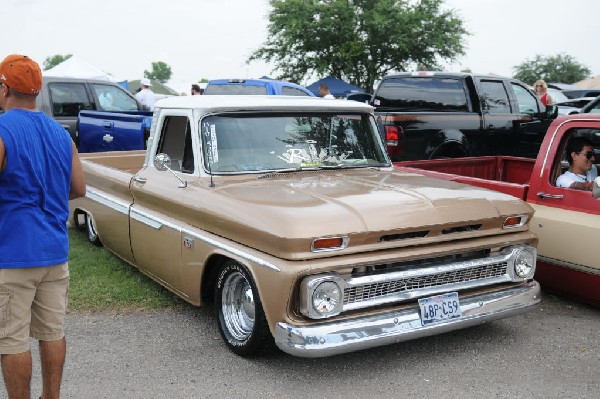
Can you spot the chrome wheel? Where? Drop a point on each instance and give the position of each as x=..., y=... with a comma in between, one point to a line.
x=91, y=230
x=237, y=306
x=242, y=322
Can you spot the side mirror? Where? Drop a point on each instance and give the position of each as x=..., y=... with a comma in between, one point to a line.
x=596, y=188
x=162, y=162
x=552, y=111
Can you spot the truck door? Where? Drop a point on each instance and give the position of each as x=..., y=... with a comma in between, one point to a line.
x=567, y=221
x=531, y=121
x=498, y=135
x=66, y=99
x=157, y=210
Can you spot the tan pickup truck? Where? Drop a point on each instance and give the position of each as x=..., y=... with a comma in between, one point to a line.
x=287, y=215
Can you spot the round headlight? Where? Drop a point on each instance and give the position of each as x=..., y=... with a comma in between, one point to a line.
x=327, y=298
x=524, y=263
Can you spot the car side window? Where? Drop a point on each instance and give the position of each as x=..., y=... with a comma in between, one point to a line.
x=113, y=98
x=173, y=140
x=561, y=163
x=526, y=101
x=68, y=98
x=292, y=91
x=495, y=97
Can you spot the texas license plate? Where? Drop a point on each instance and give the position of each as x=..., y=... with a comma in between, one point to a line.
x=439, y=308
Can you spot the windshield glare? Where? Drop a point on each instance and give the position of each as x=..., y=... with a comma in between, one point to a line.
x=235, y=143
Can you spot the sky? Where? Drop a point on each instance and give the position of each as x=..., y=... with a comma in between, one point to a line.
x=212, y=39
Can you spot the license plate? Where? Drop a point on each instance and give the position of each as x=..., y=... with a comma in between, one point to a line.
x=439, y=308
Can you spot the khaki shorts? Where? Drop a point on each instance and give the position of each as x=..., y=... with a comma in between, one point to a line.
x=33, y=303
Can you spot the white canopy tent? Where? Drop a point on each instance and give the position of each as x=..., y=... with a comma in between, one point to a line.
x=74, y=67
x=590, y=83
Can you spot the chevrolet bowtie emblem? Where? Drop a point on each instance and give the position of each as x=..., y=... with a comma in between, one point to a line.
x=108, y=138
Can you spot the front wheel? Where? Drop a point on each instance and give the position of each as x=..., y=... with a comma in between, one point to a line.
x=242, y=322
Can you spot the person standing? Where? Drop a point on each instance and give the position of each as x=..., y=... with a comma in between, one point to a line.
x=196, y=90
x=541, y=89
x=40, y=171
x=324, y=91
x=146, y=96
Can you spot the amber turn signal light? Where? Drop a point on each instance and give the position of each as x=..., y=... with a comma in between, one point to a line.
x=329, y=243
x=514, y=221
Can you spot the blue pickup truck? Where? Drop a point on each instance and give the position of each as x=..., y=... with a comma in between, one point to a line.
x=124, y=131
x=113, y=131
x=255, y=87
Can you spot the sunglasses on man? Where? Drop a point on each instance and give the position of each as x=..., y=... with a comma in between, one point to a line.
x=588, y=154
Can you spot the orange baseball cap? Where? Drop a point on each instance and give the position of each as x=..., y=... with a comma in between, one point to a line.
x=21, y=73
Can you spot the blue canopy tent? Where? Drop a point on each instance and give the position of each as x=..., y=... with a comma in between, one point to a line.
x=337, y=87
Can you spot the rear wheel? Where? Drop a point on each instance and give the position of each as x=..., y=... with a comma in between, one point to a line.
x=242, y=322
x=91, y=230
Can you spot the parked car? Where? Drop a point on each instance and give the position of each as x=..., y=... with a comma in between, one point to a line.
x=572, y=106
x=445, y=115
x=567, y=221
x=557, y=95
x=63, y=98
x=582, y=93
x=255, y=87
x=593, y=107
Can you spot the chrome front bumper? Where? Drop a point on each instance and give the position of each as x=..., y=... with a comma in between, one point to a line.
x=334, y=338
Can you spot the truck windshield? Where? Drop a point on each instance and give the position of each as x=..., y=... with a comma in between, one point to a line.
x=422, y=94
x=238, y=143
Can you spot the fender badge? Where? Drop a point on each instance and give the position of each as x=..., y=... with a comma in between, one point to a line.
x=188, y=243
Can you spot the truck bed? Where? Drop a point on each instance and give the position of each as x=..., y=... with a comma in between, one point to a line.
x=125, y=161
x=506, y=174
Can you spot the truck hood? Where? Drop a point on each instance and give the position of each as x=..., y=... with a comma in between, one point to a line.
x=282, y=214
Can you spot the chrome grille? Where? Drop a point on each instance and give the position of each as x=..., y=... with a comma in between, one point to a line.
x=381, y=289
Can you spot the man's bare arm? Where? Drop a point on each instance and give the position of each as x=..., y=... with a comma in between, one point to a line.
x=77, y=177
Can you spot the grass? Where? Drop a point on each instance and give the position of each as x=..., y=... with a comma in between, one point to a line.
x=101, y=281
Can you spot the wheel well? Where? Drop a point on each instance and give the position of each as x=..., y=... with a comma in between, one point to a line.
x=209, y=277
x=450, y=150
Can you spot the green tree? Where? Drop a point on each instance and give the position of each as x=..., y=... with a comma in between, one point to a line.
x=161, y=72
x=52, y=61
x=558, y=68
x=358, y=40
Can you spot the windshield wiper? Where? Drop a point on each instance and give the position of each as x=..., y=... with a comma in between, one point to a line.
x=278, y=171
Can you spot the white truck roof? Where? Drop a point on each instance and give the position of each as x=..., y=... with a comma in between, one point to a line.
x=250, y=103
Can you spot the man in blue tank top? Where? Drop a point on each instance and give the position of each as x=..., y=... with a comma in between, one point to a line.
x=39, y=172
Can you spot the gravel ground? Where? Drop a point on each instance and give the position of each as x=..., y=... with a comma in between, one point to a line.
x=553, y=352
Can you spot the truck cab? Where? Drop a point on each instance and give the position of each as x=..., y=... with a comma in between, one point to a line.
x=425, y=115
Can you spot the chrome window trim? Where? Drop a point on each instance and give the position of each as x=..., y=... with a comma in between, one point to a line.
x=107, y=200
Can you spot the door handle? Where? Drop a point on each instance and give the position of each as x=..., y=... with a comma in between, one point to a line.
x=139, y=179
x=545, y=195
